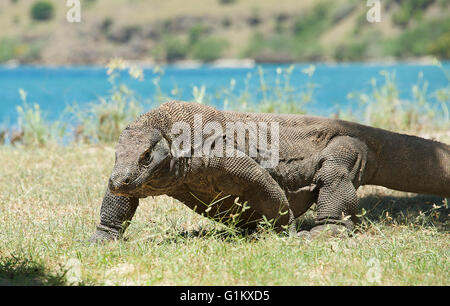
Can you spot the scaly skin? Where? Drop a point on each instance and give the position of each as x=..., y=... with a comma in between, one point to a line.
x=320, y=160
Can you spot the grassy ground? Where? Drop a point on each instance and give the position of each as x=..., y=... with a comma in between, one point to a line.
x=49, y=206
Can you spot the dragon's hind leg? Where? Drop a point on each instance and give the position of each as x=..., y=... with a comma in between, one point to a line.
x=339, y=174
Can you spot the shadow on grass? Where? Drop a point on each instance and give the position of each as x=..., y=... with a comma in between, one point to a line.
x=23, y=272
x=418, y=210
x=380, y=209
x=226, y=235
x=421, y=210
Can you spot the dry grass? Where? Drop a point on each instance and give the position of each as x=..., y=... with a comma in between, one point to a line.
x=49, y=205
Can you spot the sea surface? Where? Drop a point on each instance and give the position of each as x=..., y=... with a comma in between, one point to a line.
x=56, y=88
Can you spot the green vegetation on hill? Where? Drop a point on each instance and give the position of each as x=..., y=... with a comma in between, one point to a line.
x=11, y=48
x=410, y=10
x=298, y=42
x=197, y=45
x=425, y=37
x=430, y=37
x=268, y=31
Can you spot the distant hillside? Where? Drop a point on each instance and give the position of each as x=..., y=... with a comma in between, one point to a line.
x=206, y=30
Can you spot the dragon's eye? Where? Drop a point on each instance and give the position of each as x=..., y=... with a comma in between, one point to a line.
x=146, y=159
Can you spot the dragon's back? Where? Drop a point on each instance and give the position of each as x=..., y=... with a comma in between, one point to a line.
x=303, y=135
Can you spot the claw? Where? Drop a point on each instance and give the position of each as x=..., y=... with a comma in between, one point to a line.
x=102, y=235
x=304, y=235
x=325, y=230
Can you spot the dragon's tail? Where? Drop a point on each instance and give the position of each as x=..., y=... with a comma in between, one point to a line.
x=413, y=164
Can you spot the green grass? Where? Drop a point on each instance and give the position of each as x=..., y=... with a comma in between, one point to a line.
x=50, y=203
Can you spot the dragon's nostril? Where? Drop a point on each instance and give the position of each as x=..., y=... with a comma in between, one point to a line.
x=111, y=184
x=126, y=181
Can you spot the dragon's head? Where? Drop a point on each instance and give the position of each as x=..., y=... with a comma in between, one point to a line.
x=142, y=163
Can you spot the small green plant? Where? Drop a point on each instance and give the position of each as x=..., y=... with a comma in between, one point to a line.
x=231, y=218
x=35, y=128
x=430, y=216
x=42, y=10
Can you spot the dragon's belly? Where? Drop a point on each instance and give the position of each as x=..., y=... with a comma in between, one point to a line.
x=223, y=199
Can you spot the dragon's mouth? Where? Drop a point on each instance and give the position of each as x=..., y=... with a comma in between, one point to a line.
x=146, y=184
x=140, y=187
x=157, y=188
x=129, y=188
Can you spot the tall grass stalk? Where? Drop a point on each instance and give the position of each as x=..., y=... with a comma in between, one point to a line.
x=104, y=120
x=35, y=129
x=383, y=108
x=282, y=97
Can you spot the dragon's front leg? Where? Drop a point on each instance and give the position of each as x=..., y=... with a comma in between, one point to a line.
x=115, y=214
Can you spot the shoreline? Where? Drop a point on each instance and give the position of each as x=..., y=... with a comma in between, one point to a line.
x=238, y=64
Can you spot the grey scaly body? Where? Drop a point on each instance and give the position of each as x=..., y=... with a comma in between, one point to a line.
x=320, y=160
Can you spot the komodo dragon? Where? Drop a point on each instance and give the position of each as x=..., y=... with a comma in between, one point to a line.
x=320, y=160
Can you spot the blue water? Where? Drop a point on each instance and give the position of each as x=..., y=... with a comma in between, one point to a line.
x=55, y=88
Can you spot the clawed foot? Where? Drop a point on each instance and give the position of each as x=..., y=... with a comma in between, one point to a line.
x=325, y=230
x=102, y=235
